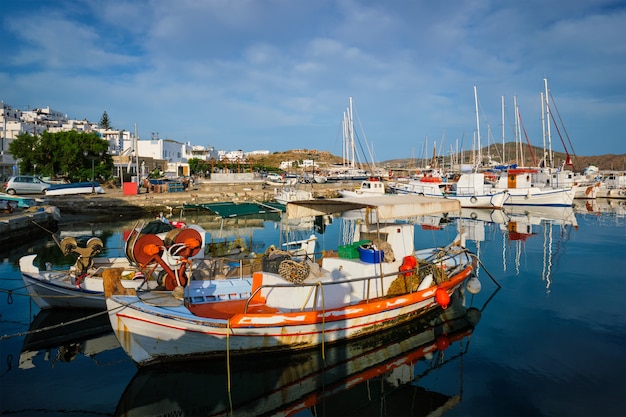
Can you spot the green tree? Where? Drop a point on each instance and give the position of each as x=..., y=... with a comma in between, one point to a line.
x=197, y=165
x=105, y=123
x=65, y=154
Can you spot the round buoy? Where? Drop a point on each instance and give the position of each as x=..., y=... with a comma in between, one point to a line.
x=473, y=315
x=473, y=285
x=443, y=342
x=404, y=268
x=442, y=297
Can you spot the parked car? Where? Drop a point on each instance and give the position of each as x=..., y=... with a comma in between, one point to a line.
x=26, y=184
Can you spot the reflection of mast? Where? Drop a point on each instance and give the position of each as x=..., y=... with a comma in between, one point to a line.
x=546, y=274
x=504, y=252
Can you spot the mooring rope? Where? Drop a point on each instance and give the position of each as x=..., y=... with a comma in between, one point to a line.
x=54, y=326
x=319, y=284
x=228, y=379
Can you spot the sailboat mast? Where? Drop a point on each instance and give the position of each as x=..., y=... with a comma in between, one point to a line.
x=503, y=149
x=351, y=128
x=344, y=147
x=480, y=157
x=518, y=137
x=545, y=81
x=543, y=127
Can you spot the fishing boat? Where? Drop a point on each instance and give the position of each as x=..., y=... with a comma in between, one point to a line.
x=382, y=371
x=81, y=285
x=71, y=188
x=470, y=189
x=369, y=187
x=379, y=281
x=523, y=192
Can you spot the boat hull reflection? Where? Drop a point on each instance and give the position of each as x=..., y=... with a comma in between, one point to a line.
x=67, y=333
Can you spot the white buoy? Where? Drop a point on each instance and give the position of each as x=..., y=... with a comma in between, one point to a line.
x=426, y=282
x=473, y=285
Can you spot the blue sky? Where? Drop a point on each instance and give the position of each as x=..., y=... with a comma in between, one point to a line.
x=278, y=74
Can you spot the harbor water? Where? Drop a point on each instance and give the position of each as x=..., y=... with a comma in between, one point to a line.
x=546, y=334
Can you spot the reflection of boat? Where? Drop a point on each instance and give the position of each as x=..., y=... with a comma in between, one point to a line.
x=292, y=305
x=288, y=194
x=345, y=379
x=81, y=286
x=71, y=332
x=534, y=215
x=602, y=205
x=526, y=221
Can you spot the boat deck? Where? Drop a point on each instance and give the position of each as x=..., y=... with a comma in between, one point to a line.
x=227, y=309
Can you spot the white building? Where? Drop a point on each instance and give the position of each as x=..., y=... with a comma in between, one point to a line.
x=169, y=155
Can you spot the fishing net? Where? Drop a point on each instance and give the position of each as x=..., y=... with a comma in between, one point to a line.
x=409, y=282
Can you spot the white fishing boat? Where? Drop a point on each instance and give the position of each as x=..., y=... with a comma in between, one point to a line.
x=81, y=285
x=368, y=188
x=294, y=305
x=523, y=192
x=613, y=186
x=469, y=189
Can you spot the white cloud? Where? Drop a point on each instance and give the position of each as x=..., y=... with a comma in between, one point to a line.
x=250, y=71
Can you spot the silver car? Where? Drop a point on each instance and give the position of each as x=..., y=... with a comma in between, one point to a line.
x=26, y=184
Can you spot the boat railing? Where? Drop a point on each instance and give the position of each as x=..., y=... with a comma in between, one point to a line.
x=465, y=259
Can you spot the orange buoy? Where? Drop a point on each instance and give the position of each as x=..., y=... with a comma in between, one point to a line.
x=442, y=297
x=408, y=263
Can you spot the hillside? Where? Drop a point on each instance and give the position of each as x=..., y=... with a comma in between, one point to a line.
x=325, y=158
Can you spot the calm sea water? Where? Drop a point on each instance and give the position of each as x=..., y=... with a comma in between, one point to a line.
x=550, y=341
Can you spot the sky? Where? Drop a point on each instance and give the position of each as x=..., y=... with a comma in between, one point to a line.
x=278, y=74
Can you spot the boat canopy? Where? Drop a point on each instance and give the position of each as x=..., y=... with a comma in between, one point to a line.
x=386, y=207
x=230, y=209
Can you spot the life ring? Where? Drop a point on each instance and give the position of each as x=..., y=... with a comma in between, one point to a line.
x=473, y=199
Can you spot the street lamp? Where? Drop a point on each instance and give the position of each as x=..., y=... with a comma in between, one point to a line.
x=93, y=169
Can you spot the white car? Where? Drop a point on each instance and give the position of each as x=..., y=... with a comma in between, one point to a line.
x=274, y=177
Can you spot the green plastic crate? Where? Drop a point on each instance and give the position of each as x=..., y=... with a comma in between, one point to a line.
x=351, y=251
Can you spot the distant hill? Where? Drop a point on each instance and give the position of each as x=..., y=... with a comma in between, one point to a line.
x=325, y=158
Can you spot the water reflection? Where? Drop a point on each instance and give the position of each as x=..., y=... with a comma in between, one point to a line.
x=378, y=374
x=61, y=335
